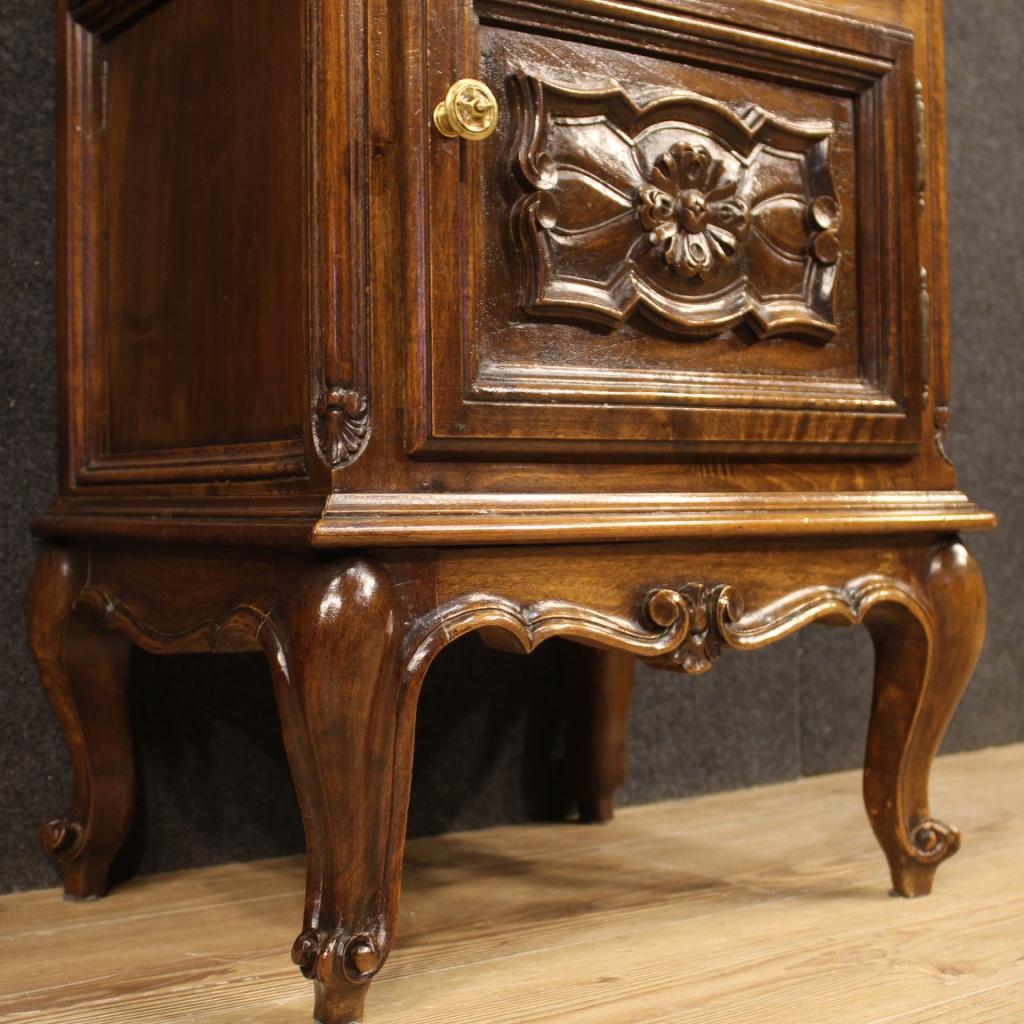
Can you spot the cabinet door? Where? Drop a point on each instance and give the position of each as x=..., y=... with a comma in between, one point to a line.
x=694, y=230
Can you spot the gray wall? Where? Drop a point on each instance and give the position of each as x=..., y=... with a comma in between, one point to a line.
x=214, y=783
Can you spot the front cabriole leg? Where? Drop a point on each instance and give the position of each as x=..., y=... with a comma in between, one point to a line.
x=925, y=654
x=927, y=620
x=334, y=653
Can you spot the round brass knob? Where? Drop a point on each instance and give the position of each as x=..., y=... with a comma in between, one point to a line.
x=469, y=111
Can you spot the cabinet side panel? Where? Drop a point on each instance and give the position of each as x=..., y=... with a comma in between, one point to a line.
x=205, y=195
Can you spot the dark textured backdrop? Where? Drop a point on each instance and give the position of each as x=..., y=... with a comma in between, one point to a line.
x=214, y=781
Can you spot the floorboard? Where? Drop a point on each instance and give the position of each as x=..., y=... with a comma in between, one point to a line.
x=768, y=905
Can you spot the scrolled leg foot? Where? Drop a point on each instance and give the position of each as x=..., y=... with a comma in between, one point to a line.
x=61, y=838
x=84, y=670
x=340, y=967
x=925, y=652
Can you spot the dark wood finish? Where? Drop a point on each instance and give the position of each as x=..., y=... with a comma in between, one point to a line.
x=350, y=640
x=594, y=171
x=924, y=662
x=599, y=689
x=660, y=367
x=624, y=417
x=173, y=328
x=85, y=673
x=337, y=673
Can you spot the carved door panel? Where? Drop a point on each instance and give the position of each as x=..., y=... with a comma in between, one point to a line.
x=692, y=230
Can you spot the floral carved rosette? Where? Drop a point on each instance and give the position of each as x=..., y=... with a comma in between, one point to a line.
x=682, y=208
x=692, y=212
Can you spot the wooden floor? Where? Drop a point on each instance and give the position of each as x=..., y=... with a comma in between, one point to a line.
x=766, y=906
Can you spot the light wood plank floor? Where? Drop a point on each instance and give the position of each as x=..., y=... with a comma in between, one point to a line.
x=766, y=906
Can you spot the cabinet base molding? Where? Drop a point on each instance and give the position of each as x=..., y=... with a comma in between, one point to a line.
x=361, y=520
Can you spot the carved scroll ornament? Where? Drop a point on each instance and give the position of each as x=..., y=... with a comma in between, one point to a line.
x=697, y=215
x=321, y=954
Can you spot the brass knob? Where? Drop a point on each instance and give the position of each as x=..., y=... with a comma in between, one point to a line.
x=469, y=111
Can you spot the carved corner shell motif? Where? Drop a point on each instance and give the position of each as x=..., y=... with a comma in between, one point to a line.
x=697, y=215
x=342, y=425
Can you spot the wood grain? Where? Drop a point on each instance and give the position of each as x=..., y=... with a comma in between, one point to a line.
x=350, y=640
x=658, y=367
x=250, y=195
x=672, y=913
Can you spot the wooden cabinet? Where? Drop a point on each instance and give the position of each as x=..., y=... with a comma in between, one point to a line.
x=384, y=321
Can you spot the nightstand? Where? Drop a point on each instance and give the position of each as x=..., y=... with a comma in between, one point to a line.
x=622, y=321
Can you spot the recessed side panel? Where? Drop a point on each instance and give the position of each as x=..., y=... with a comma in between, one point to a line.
x=198, y=358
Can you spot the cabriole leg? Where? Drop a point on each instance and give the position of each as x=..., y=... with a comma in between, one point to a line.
x=334, y=653
x=84, y=670
x=923, y=664
x=599, y=691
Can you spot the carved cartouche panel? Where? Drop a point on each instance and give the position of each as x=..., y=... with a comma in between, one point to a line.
x=698, y=214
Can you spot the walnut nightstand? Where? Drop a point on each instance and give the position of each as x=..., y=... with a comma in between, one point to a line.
x=384, y=321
